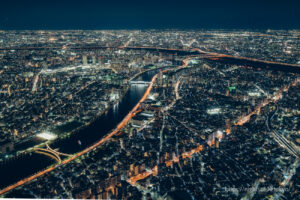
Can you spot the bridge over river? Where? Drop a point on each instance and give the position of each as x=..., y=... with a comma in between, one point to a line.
x=22, y=169
x=27, y=167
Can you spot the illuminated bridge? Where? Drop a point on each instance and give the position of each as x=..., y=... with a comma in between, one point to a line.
x=51, y=153
x=140, y=82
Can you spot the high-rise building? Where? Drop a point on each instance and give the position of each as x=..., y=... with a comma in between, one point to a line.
x=160, y=78
x=101, y=64
x=84, y=60
x=94, y=60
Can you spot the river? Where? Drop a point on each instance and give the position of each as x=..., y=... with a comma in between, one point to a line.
x=23, y=166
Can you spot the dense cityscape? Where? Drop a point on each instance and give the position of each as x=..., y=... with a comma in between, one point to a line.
x=151, y=114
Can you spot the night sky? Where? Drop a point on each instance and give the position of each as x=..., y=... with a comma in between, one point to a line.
x=148, y=14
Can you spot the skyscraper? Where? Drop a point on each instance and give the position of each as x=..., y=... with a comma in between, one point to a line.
x=84, y=60
x=94, y=60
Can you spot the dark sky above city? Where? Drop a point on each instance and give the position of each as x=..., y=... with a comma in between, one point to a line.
x=147, y=14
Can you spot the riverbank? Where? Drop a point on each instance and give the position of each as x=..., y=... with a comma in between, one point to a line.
x=42, y=143
x=84, y=151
